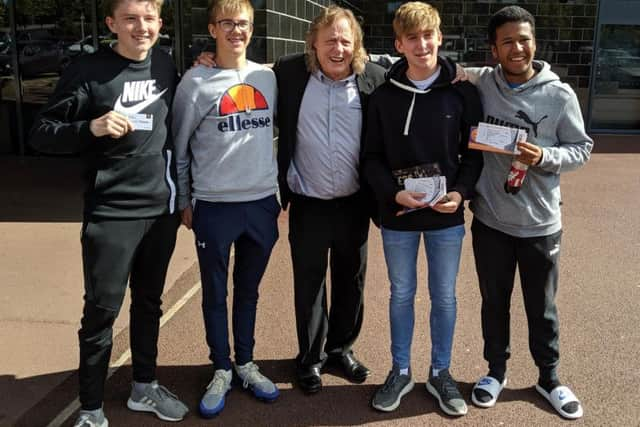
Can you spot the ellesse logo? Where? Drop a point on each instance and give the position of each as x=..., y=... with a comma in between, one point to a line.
x=242, y=98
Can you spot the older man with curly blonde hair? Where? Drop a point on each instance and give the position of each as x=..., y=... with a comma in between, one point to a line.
x=321, y=99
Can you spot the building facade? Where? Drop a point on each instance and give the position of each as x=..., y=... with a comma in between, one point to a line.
x=593, y=45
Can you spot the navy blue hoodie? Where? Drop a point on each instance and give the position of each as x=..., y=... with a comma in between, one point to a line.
x=427, y=130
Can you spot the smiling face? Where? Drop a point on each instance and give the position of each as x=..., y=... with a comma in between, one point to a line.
x=137, y=25
x=514, y=49
x=334, y=49
x=232, y=42
x=420, y=47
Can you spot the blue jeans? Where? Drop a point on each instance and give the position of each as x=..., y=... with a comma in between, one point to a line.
x=443, y=248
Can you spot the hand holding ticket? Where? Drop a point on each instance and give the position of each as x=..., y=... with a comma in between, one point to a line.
x=495, y=138
x=433, y=187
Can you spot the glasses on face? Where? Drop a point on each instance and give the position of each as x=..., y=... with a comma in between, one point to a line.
x=228, y=25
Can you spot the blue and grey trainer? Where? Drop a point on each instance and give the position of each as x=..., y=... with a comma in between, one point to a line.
x=261, y=387
x=445, y=389
x=91, y=419
x=388, y=397
x=212, y=403
x=152, y=397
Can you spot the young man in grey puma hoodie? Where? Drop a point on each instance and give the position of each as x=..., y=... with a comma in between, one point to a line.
x=523, y=229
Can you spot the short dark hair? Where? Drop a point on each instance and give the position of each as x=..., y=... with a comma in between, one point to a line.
x=509, y=14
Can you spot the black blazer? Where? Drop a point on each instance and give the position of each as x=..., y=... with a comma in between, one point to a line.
x=292, y=76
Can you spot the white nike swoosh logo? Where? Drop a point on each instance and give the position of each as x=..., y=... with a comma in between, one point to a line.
x=134, y=109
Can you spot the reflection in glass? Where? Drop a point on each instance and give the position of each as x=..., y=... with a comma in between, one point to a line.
x=616, y=100
x=8, y=131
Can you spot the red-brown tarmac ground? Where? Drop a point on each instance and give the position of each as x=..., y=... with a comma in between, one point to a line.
x=598, y=300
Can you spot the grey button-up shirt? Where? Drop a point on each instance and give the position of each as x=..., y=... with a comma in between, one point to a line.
x=327, y=155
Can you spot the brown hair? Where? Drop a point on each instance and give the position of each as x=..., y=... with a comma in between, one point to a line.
x=414, y=16
x=219, y=7
x=109, y=6
x=327, y=17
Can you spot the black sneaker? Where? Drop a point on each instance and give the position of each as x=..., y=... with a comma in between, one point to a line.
x=445, y=389
x=388, y=397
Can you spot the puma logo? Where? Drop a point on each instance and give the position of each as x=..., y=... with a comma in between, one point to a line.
x=522, y=115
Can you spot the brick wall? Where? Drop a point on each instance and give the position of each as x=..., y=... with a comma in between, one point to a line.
x=564, y=32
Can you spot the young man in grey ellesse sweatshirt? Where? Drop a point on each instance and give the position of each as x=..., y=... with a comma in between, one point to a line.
x=523, y=229
x=227, y=184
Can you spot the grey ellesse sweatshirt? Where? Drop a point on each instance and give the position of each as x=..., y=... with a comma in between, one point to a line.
x=223, y=132
x=548, y=109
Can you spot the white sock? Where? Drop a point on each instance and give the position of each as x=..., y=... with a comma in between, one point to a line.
x=435, y=372
x=404, y=371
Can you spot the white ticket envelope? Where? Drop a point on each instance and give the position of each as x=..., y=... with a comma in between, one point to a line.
x=434, y=188
x=501, y=137
x=141, y=121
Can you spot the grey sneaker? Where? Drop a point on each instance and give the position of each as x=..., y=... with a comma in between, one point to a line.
x=157, y=399
x=212, y=403
x=260, y=386
x=91, y=419
x=388, y=397
x=445, y=389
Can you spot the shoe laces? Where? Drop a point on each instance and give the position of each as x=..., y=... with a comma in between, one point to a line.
x=163, y=393
x=251, y=374
x=448, y=384
x=218, y=384
x=391, y=381
x=85, y=420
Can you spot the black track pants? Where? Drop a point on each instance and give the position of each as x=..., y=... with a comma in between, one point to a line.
x=497, y=254
x=114, y=253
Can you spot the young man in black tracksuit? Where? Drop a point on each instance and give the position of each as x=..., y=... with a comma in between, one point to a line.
x=418, y=127
x=113, y=108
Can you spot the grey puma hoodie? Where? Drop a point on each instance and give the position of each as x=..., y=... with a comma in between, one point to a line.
x=549, y=111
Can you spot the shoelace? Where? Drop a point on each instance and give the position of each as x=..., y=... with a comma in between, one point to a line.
x=85, y=419
x=163, y=393
x=217, y=384
x=390, y=382
x=252, y=375
x=449, y=385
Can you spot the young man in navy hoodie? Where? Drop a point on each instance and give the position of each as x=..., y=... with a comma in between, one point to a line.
x=113, y=107
x=419, y=126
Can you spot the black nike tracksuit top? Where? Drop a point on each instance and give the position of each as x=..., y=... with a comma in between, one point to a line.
x=129, y=177
x=409, y=128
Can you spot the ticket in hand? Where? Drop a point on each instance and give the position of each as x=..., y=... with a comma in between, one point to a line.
x=433, y=187
x=141, y=121
x=495, y=138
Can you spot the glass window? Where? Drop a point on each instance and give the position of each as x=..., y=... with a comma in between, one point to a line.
x=49, y=34
x=616, y=95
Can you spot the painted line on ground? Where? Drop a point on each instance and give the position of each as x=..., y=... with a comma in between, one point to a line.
x=125, y=356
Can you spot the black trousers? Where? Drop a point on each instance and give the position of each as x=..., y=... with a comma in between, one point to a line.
x=326, y=233
x=497, y=254
x=115, y=253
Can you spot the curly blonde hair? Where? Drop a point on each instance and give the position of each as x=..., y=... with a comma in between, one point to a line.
x=327, y=17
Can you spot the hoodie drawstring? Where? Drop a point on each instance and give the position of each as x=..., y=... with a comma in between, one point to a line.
x=409, y=114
